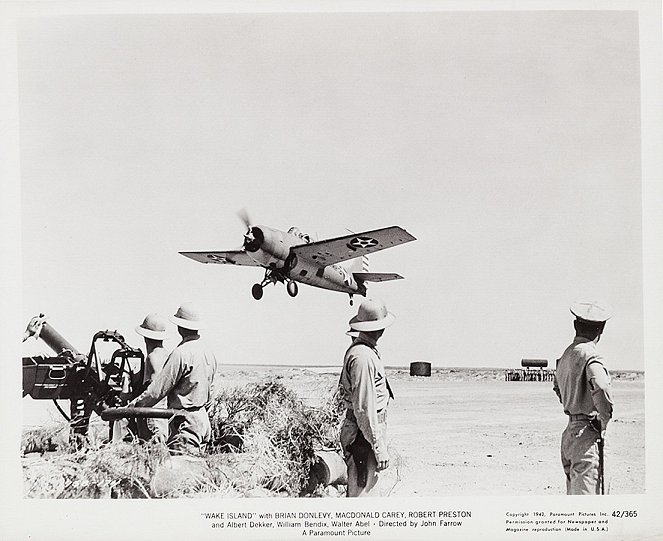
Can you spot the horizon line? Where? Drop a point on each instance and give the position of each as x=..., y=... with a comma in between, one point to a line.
x=404, y=367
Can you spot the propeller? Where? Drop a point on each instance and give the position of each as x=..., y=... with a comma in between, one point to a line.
x=253, y=237
x=244, y=216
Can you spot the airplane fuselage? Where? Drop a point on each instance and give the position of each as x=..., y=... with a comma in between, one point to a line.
x=270, y=248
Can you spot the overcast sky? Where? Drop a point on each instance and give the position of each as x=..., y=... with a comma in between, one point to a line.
x=507, y=143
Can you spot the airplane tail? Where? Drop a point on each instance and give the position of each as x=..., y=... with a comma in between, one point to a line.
x=358, y=265
x=376, y=276
x=359, y=269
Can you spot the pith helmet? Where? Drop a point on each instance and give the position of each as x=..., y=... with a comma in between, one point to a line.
x=153, y=326
x=372, y=316
x=188, y=317
x=591, y=310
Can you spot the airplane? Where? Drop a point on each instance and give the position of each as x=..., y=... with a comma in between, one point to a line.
x=291, y=257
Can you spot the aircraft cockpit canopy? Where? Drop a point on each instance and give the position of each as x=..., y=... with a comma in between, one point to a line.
x=296, y=231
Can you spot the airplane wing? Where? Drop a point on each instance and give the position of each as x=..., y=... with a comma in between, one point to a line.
x=327, y=252
x=231, y=257
x=376, y=276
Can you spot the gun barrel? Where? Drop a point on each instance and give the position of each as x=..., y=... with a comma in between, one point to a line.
x=118, y=413
x=55, y=340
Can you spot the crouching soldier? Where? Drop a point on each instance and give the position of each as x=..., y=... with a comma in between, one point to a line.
x=366, y=392
x=153, y=330
x=186, y=380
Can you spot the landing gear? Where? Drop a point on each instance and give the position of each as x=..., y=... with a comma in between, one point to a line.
x=351, y=301
x=273, y=276
x=292, y=288
x=256, y=291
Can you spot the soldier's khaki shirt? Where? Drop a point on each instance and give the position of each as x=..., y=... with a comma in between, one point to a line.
x=582, y=382
x=186, y=378
x=363, y=384
x=154, y=363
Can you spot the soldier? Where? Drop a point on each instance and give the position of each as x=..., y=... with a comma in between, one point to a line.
x=153, y=330
x=186, y=380
x=582, y=384
x=366, y=392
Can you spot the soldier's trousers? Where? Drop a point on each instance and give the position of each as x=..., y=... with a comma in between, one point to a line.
x=152, y=428
x=580, y=457
x=349, y=432
x=189, y=432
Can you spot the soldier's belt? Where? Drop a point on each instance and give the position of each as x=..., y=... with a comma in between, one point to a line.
x=382, y=415
x=193, y=408
x=581, y=417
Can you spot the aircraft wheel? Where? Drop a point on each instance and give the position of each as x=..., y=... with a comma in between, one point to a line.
x=292, y=288
x=256, y=291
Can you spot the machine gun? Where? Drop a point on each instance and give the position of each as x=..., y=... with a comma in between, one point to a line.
x=90, y=383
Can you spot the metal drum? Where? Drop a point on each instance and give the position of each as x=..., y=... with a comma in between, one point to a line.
x=534, y=363
x=420, y=368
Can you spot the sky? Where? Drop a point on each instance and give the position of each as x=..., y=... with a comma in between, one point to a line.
x=507, y=143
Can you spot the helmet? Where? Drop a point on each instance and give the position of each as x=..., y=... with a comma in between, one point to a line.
x=188, y=317
x=372, y=316
x=153, y=326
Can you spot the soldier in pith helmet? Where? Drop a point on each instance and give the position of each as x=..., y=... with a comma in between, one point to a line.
x=582, y=383
x=366, y=392
x=153, y=330
x=187, y=380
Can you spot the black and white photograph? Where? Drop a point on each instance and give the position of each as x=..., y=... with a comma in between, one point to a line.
x=264, y=259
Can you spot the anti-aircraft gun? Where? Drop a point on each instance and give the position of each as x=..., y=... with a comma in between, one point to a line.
x=91, y=383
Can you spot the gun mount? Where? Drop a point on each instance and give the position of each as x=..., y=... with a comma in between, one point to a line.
x=91, y=383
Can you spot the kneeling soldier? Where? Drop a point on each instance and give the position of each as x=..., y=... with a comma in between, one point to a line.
x=153, y=330
x=186, y=379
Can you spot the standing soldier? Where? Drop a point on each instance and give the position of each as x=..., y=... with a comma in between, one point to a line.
x=186, y=380
x=582, y=384
x=153, y=330
x=366, y=393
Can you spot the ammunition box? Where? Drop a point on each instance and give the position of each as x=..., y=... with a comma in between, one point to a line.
x=46, y=377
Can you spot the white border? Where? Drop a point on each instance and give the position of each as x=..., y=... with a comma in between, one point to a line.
x=181, y=519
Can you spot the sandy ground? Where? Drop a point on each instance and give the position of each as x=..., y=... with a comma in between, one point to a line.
x=470, y=432
x=496, y=437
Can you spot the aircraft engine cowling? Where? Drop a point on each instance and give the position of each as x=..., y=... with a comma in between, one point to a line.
x=253, y=239
x=270, y=241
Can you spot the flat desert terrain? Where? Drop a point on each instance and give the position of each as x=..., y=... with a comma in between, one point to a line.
x=467, y=431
